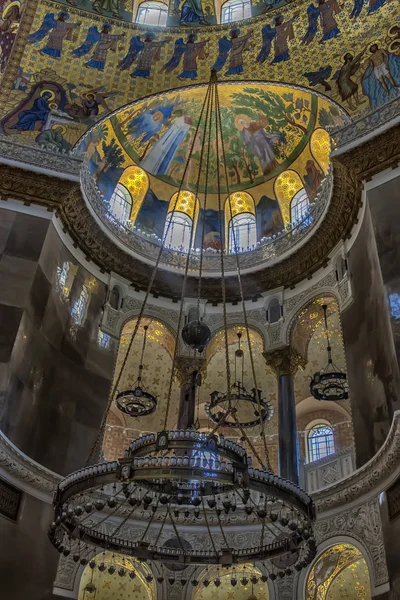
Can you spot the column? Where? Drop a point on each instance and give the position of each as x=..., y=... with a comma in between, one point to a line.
x=188, y=372
x=285, y=362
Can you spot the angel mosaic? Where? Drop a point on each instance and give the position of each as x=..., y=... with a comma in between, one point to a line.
x=100, y=42
x=281, y=34
x=191, y=51
x=325, y=11
x=234, y=49
x=9, y=23
x=57, y=31
x=373, y=6
x=148, y=52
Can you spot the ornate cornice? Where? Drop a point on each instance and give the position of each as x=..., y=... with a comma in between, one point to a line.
x=24, y=472
x=373, y=477
x=285, y=361
x=33, y=188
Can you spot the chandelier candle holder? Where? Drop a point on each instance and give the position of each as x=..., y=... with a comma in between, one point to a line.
x=232, y=409
x=181, y=497
x=180, y=480
x=136, y=401
x=330, y=383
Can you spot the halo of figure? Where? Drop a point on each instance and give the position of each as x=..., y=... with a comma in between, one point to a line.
x=325, y=11
x=148, y=52
x=234, y=49
x=58, y=30
x=191, y=51
x=101, y=42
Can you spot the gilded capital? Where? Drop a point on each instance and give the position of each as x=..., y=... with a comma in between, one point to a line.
x=185, y=366
x=285, y=361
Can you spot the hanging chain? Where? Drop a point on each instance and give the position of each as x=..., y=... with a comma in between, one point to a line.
x=262, y=422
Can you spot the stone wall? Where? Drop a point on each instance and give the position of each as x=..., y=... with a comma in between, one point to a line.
x=54, y=373
x=372, y=368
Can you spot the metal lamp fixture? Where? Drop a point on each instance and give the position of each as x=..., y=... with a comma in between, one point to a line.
x=178, y=481
x=330, y=383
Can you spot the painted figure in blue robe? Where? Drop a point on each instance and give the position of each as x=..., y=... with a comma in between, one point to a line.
x=268, y=34
x=58, y=30
x=381, y=80
x=191, y=51
x=159, y=159
x=149, y=124
x=320, y=77
x=148, y=52
x=234, y=49
x=325, y=11
x=101, y=41
x=373, y=6
x=40, y=110
x=191, y=12
x=283, y=34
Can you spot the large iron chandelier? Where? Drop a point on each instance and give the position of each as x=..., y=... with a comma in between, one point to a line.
x=180, y=497
x=330, y=383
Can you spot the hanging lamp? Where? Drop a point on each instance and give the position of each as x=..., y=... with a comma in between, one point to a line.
x=330, y=383
x=176, y=481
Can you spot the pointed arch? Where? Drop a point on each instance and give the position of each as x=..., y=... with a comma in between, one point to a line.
x=129, y=194
x=289, y=188
x=320, y=146
x=240, y=221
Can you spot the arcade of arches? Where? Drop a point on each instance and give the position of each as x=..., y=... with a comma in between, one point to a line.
x=199, y=227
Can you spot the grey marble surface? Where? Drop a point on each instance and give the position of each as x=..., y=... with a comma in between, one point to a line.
x=54, y=376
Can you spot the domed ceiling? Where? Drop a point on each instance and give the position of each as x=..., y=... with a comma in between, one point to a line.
x=267, y=129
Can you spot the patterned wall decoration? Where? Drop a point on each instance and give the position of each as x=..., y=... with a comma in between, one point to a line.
x=97, y=585
x=11, y=12
x=340, y=572
x=77, y=65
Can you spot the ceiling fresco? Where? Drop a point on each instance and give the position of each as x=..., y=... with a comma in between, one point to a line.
x=70, y=66
x=340, y=572
x=266, y=130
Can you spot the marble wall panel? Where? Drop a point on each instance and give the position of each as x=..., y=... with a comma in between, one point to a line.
x=16, y=276
x=373, y=372
x=28, y=562
x=55, y=376
x=385, y=211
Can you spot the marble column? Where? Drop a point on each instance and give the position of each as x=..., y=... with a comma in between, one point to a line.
x=285, y=362
x=188, y=372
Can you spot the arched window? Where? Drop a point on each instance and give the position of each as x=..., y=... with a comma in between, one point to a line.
x=274, y=311
x=152, y=13
x=299, y=207
x=286, y=187
x=241, y=219
x=320, y=145
x=320, y=441
x=115, y=298
x=121, y=203
x=181, y=216
x=129, y=194
x=235, y=10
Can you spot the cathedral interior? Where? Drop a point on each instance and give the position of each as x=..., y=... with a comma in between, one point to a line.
x=199, y=299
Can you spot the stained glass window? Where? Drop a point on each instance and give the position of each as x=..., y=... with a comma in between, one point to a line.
x=235, y=10
x=321, y=442
x=394, y=301
x=103, y=339
x=152, y=13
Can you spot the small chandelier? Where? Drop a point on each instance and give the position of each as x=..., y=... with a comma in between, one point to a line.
x=330, y=383
x=228, y=408
x=136, y=401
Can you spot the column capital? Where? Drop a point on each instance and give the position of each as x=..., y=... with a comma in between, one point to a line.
x=186, y=365
x=285, y=361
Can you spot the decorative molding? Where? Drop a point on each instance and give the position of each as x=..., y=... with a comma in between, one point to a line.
x=62, y=165
x=34, y=188
x=376, y=475
x=25, y=473
x=363, y=523
x=285, y=361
